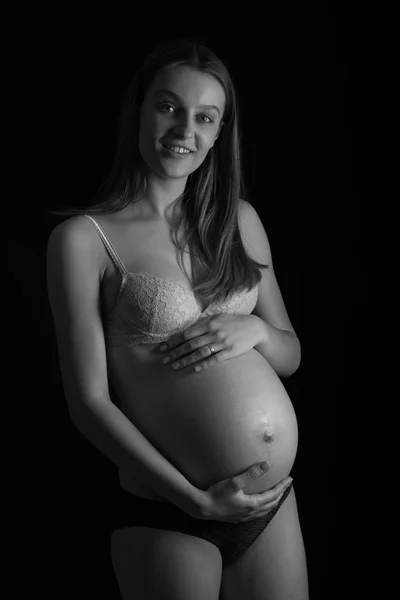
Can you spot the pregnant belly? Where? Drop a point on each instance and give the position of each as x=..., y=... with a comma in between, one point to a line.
x=213, y=424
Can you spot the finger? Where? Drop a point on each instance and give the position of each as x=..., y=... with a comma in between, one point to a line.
x=199, y=354
x=272, y=494
x=183, y=350
x=175, y=340
x=251, y=516
x=258, y=508
x=282, y=485
x=270, y=505
x=207, y=364
x=194, y=350
x=259, y=515
x=238, y=482
x=264, y=509
x=217, y=358
x=197, y=330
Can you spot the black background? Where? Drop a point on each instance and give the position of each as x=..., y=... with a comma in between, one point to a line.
x=296, y=73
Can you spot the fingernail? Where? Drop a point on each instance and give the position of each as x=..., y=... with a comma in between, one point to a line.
x=264, y=466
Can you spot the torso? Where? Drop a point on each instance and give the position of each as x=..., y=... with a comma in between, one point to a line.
x=212, y=424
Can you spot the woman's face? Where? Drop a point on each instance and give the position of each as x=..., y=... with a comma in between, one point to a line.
x=182, y=107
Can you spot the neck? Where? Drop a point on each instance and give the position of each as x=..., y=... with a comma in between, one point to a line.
x=161, y=196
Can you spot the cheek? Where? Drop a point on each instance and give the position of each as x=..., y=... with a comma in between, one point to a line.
x=149, y=133
x=206, y=142
x=200, y=157
x=150, y=124
x=205, y=150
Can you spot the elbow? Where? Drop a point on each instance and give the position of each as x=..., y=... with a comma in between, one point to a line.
x=297, y=360
x=292, y=365
x=297, y=357
x=291, y=370
x=86, y=410
x=287, y=372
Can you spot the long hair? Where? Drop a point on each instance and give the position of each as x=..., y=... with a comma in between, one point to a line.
x=210, y=202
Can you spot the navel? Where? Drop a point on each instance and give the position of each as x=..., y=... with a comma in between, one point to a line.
x=267, y=434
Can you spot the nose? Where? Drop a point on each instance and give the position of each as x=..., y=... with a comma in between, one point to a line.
x=184, y=127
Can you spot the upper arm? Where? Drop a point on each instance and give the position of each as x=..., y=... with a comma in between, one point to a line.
x=270, y=305
x=73, y=284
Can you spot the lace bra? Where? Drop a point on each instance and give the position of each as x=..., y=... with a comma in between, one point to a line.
x=150, y=309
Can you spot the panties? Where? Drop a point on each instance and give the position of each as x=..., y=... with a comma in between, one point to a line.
x=232, y=539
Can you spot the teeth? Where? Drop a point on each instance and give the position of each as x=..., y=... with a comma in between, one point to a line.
x=177, y=149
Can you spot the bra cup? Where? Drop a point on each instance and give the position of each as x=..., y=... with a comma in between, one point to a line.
x=150, y=309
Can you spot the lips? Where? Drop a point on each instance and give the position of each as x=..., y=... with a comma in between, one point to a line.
x=176, y=146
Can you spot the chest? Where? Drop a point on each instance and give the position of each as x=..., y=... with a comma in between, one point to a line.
x=146, y=248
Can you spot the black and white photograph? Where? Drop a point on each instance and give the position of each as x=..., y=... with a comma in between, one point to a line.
x=182, y=247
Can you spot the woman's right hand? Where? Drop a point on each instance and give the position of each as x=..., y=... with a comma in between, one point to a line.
x=226, y=501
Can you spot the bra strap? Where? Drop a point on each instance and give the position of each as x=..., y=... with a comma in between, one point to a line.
x=109, y=247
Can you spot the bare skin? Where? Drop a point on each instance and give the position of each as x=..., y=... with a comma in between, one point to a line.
x=238, y=411
x=265, y=431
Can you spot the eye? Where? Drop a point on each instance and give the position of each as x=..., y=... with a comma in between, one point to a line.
x=210, y=120
x=164, y=106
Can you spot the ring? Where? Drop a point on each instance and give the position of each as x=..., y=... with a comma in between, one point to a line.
x=211, y=349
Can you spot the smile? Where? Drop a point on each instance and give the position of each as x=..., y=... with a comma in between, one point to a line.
x=176, y=149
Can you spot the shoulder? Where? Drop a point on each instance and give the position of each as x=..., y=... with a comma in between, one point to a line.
x=72, y=228
x=73, y=239
x=77, y=230
x=244, y=206
x=248, y=214
x=254, y=236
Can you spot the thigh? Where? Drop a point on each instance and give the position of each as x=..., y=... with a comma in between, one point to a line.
x=155, y=563
x=274, y=567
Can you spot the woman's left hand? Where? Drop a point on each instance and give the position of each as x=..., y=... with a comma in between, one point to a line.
x=229, y=336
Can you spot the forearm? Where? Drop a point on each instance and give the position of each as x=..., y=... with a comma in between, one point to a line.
x=115, y=436
x=280, y=348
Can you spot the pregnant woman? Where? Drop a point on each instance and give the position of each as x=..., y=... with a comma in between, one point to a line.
x=165, y=288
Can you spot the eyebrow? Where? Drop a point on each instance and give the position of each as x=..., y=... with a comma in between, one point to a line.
x=170, y=93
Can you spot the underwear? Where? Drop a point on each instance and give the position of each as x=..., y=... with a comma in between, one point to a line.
x=232, y=539
x=150, y=309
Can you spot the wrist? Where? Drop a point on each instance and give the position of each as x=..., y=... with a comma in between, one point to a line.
x=197, y=503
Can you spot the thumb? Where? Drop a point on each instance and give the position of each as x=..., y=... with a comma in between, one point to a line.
x=238, y=482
